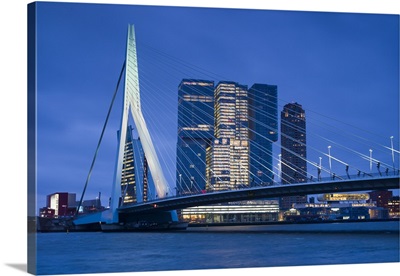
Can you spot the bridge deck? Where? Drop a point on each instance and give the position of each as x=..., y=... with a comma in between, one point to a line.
x=173, y=203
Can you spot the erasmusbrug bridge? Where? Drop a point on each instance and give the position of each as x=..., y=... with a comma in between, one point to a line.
x=161, y=205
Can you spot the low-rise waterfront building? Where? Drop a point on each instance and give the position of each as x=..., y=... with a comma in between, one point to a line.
x=330, y=211
x=233, y=212
x=381, y=197
x=59, y=204
x=339, y=206
x=46, y=212
x=63, y=204
x=393, y=207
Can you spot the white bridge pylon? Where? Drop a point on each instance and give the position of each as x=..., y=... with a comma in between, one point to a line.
x=131, y=105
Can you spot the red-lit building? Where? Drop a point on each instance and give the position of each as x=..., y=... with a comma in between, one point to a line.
x=63, y=204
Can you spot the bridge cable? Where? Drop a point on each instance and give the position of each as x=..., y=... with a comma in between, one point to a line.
x=100, y=139
x=312, y=163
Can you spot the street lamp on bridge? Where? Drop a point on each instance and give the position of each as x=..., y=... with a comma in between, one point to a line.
x=280, y=167
x=330, y=161
x=319, y=168
x=391, y=143
x=370, y=160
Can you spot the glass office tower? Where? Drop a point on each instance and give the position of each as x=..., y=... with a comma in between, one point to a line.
x=195, y=133
x=128, y=183
x=228, y=157
x=293, y=150
x=263, y=126
x=135, y=176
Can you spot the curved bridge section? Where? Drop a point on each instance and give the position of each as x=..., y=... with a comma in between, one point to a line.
x=263, y=192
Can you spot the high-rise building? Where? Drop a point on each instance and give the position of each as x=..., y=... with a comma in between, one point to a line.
x=228, y=157
x=263, y=126
x=229, y=107
x=134, y=170
x=195, y=133
x=218, y=165
x=128, y=184
x=293, y=150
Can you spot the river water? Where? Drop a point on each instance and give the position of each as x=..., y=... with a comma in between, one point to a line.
x=97, y=252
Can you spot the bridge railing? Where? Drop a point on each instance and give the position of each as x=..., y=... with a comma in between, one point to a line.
x=359, y=175
x=332, y=177
x=328, y=179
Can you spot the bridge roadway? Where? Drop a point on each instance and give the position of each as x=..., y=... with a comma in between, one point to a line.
x=274, y=191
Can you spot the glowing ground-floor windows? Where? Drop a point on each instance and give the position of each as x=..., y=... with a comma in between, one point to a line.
x=234, y=212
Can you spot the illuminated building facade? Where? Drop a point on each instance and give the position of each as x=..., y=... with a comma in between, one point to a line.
x=293, y=150
x=195, y=132
x=330, y=211
x=59, y=205
x=340, y=206
x=234, y=212
x=230, y=127
x=134, y=170
x=393, y=207
x=343, y=197
x=218, y=165
x=263, y=126
x=128, y=184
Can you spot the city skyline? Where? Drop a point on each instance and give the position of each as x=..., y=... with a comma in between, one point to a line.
x=14, y=118
x=303, y=53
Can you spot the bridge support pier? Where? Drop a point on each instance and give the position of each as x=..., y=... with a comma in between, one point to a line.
x=154, y=221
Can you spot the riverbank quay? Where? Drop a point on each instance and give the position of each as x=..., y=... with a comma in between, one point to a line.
x=388, y=226
x=328, y=226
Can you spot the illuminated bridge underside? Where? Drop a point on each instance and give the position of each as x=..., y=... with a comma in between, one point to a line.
x=263, y=192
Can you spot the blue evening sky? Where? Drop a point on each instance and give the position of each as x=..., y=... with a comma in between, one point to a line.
x=13, y=101
x=341, y=65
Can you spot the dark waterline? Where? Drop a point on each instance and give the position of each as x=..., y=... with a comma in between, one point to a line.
x=73, y=253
